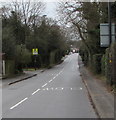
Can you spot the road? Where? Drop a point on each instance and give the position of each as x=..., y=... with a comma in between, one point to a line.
x=56, y=93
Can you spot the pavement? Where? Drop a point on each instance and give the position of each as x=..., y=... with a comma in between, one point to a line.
x=102, y=99
x=24, y=76
x=55, y=93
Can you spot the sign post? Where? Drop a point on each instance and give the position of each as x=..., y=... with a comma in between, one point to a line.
x=35, y=53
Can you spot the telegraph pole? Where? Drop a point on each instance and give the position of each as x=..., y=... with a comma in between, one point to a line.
x=109, y=21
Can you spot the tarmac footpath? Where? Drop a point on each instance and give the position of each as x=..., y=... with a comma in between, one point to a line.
x=25, y=76
x=101, y=98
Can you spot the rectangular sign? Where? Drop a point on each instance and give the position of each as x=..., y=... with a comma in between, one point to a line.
x=35, y=51
x=104, y=34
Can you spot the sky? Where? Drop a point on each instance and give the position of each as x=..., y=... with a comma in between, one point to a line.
x=50, y=10
x=51, y=6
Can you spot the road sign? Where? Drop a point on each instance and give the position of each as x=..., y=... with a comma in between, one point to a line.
x=104, y=34
x=35, y=51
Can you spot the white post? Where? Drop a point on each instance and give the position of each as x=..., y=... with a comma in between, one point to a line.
x=3, y=67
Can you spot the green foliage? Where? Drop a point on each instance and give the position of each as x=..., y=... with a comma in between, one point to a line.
x=22, y=55
x=84, y=54
x=107, y=66
x=113, y=62
x=103, y=62
x=92, y=14
x=21, y=35
x=8, y=42
x=10, y=67
x=113, y=8
x=47, y=38
x=97, y=63
x=52, y=57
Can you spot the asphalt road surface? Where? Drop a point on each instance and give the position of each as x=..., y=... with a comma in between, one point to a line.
x=56, y=93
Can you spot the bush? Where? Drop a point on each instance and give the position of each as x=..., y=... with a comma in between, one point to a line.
x=10, y=67
x=103, y=61
x=52, y=57
x=97, y=63
x=113, y=63
x=58, y=56
x=85, y=57
x=107, y=67
x=22, y=57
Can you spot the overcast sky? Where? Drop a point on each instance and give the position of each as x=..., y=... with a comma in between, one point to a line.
x=50, y=7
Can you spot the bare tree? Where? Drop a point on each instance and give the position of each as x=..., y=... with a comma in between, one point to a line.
x=85, y=17
x=28, y=11
x=71, y=13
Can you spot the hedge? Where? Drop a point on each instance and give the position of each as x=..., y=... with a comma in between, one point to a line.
x=97, y=63
x=113, y=63
x=10, y=67
x=108, y=72
x=103, y=62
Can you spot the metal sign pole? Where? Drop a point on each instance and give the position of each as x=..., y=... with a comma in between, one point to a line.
x=35, y=62
x=35, y=53
x=109, y=21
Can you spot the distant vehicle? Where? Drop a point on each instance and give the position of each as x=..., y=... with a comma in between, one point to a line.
x=74, y=51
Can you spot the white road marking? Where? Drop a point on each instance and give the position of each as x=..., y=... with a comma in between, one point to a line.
x=81, y=88
x=54, y=77
x=44, y=85
x=61, y=89
x=35, y=91
x=18, y=103
x=50, y=80
x=47, y=89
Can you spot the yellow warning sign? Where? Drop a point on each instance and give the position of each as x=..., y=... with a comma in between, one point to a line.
x=35, y=51
x=110, y=61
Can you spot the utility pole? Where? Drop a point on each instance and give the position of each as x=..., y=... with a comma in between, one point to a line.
x=110, y=24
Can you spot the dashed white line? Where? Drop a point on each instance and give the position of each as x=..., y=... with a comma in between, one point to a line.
x=44, y=85
x=18, y=103
x=47, y=88
x=50, y=81
x=57, y=75
x=81, y=88
x=54, y=77
x=60, y=72
x=35, y=91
